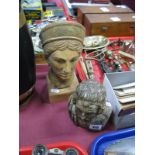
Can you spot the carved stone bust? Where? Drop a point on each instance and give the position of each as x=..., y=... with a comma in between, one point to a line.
x=87, y=106
x=62, y=43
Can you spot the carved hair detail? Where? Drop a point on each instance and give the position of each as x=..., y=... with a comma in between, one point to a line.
x=90, y=90
x=61, y=45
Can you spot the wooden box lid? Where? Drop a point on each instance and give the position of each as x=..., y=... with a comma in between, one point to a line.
x=105, y=9
x=110, y=18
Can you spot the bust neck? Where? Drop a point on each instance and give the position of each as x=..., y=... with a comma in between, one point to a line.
x=56, y=82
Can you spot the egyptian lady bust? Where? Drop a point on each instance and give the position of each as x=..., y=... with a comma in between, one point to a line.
x=62, y=43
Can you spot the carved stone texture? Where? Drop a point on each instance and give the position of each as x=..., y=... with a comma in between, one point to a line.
x=62, y=43
x=87, y=106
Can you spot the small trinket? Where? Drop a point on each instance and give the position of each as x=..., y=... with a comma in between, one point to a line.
x=40, y=149
x=55, y=151
x=71, y=151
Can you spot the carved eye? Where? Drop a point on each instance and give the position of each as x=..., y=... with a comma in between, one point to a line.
x=61, y=61
x=73, y=60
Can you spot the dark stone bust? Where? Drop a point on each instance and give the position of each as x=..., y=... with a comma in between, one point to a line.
x=87, y=106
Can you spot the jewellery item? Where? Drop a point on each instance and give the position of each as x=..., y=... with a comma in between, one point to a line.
x=127, y=55
x=119, y=56
x=40, y=149
x=55, y=151
x=71, y=151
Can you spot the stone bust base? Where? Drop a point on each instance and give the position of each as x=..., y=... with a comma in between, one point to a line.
x=56, y=95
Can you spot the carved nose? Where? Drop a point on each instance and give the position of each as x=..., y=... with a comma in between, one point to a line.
x=82, y=115
x=68, y=68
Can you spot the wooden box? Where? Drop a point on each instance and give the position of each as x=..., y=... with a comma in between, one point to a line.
x=89, y=1
x=111, y=9
x=110, y=25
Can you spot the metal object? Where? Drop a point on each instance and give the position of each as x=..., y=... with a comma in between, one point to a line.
x=104, y=67
x=40, y=149
x=71, y=151
x=83, y=67
x=56, y=151
x=95, y=42
x=89, y=69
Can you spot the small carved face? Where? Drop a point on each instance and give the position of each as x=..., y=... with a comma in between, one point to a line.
x=86, y=111
x=63, y=63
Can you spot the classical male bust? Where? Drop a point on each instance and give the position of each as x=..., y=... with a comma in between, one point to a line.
x=87, y=106
x=62, y=43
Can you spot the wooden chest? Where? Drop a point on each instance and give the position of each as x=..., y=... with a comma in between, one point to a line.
x=111, y=9
x=88, y=1
x=110, y=25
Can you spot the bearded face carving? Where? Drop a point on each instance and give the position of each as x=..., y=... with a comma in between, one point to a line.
x=87, y=106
